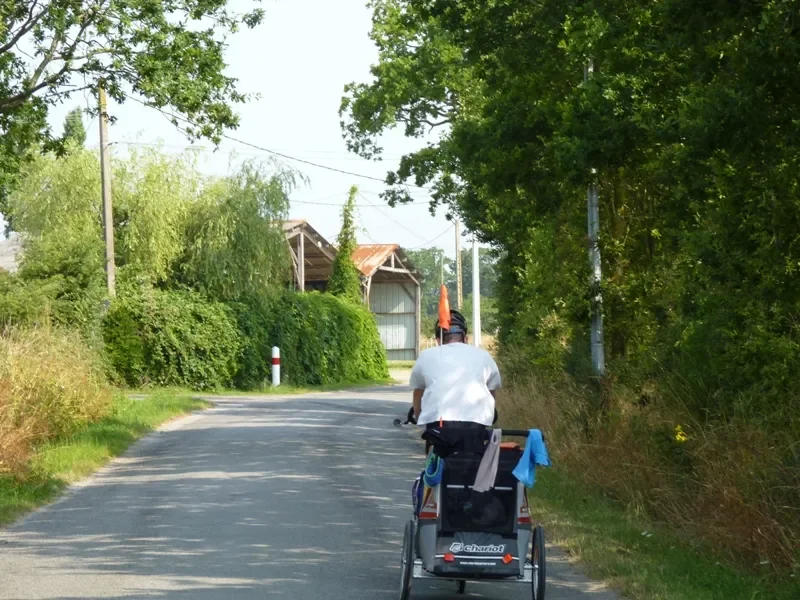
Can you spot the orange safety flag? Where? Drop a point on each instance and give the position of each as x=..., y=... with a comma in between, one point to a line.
x=444, y=308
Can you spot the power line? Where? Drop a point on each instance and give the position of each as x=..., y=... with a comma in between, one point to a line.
x=273, y=152
x=432, y=240
x=325, y=154
x=380, y=210
x=317, y=203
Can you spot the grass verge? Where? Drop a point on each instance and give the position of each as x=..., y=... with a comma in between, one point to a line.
x=401, y=364
x=636, y=557
x=653, y=514
x=68, y=459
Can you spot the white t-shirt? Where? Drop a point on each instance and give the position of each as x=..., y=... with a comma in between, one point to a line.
x=457, y=379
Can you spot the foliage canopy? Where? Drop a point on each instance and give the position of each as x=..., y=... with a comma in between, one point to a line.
x=686, y=121
x=167, y=53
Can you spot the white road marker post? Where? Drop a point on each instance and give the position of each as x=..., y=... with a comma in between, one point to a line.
x=476, y=293
x=276, y=366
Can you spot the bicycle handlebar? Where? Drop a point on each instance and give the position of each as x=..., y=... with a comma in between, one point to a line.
x=506, y=432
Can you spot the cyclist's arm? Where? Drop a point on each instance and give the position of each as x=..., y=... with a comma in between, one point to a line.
x=417, y=402
x=493, y=381
x=417, y=382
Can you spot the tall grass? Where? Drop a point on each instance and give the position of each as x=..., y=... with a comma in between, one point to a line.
x=51, y=384
x=729, y=483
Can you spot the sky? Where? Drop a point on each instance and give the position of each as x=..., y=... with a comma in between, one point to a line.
x=298, y=62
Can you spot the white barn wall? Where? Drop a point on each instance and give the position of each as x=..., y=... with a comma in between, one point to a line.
x=394, y=306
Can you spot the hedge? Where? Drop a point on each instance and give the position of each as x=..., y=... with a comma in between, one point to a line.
x=323, y=339
x=181, y=338
x=172, y=338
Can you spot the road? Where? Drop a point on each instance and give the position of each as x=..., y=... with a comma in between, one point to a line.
x=302, y=498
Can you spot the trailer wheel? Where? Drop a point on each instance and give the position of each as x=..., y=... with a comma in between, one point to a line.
x=407, y=561
x=539, y=564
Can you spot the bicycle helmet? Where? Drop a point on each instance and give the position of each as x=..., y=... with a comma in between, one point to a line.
x=458, y=325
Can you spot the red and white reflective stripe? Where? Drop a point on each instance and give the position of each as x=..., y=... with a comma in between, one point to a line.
x=430, y=508
x=524, y=515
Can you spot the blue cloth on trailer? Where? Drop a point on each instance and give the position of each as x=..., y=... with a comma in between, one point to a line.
x=535, y=454
x=433, y=470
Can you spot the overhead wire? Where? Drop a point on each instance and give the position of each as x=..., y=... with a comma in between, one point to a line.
x=319, y=202
x=388, y=216
x=431, y=240
x=274, y=152
x=325, y=154
x=314, y=164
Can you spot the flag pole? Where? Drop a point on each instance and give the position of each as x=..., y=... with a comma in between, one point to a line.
x=441, y=330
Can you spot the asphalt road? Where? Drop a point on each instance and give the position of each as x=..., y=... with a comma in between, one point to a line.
x=302, y=498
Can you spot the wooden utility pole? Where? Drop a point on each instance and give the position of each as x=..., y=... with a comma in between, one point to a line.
x=301, y=261
x=108, y=215
x=459, y=290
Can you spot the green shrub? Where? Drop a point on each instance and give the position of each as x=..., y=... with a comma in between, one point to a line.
x=59, y=300
x=23, y=304
x=345, y=279
x=171, y=338
x=323, y=339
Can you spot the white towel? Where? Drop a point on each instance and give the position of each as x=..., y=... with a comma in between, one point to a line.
x=487, y=471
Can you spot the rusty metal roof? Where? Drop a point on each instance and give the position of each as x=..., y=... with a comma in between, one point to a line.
x=368, y=257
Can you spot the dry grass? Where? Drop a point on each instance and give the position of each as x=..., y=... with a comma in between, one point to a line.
x=488, y=343
x=730, y=484
x=50, y=385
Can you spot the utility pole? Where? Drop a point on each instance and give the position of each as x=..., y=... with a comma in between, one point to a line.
x=476, y=293
x=108, y=216
x=459, y=275
x=595, y=277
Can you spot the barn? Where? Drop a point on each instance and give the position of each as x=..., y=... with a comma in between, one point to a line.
x=392, y=290
x=390, y=284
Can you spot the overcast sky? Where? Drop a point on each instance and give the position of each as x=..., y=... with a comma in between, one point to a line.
x=299, y=60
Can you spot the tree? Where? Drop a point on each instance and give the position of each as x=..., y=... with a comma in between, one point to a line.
x=74, y=131
x=173, y=226
x=685, y=128
x=428, y=262
x=236, y=248
x=169, y=53
x=345, y=280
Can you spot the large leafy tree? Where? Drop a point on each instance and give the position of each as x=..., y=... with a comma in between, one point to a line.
x=169, y=53
x=686, y=126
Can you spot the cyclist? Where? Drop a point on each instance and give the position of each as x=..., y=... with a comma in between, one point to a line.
x=454, y=387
